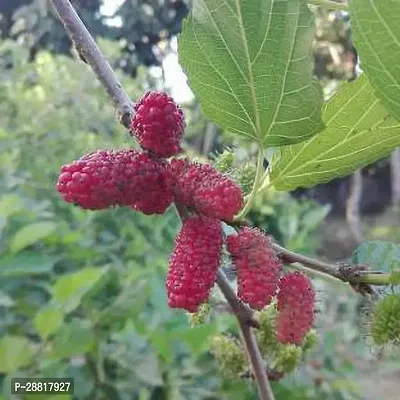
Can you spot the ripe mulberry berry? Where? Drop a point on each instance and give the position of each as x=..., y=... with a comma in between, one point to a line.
x=105, y=178
x=88, y=182
x=186, y=177
x=218, y=197
x=295, y=289
x=202, y=187
x=141, y=182
x=296, y=303
x=257, y=266
x=158, y=124
x=194, y=263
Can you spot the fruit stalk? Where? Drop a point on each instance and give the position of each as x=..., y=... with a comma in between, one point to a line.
x=256, y=185
x=91, y=53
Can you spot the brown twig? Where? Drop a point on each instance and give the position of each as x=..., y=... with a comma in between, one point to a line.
x=273, y=374
x=246, y=321
x=355, y=275
x=290, y=257
x=256, y=361
x=87, y=47
x=91, y=53
x=243, y=313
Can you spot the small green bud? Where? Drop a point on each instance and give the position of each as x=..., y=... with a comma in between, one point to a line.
x=266, y=334
x=229, y=355
x=385, y=323
x=245, y=176
x=310, y=340
x=287, y=359
x=200, y=317
x=224, y=161
x=281, y=357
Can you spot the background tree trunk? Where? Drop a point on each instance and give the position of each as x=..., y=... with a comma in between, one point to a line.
x=353, y=205
x=395, y=176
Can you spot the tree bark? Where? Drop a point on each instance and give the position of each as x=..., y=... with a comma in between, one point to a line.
x=353, y=206
x=395, y=176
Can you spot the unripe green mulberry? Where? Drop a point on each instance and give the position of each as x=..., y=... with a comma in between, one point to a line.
x=200, y=316
x=224, y=161
x=310, y=340
x=385, y=323
x=245, y=177
x=266, y=335
x=283, y=358
x=229, y=355
x=287, y=359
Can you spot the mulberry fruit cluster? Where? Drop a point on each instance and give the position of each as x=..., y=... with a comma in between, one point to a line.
x=151, y=179
x=260, y=280
x=148, y=182
x=116, y=178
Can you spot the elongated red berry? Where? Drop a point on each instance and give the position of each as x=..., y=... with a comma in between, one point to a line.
x=257, y=266
x=194, y=262
x=296, y=304
x=88, y=182
x=207, y=190
x=158, y=124
x=109, y=178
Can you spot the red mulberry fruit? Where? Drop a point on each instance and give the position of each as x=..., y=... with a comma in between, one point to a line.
x=105, y=178
x=158, y=124
x=88, y=182
x=296, y=302
x=194, y=263
x=141, y=182
x=187, y=177
x=257, y=266
x=202, y=187
x=218, y=197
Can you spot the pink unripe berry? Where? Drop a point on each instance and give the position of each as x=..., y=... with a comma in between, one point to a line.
x=296, y=303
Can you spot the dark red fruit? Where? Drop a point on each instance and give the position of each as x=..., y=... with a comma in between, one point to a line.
x=194, y=263
x=204, y=188
x=88, y=182
x=158, y=124
x=141, y=181
x=257, y=266
x=109, y=178
x=218, y=197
